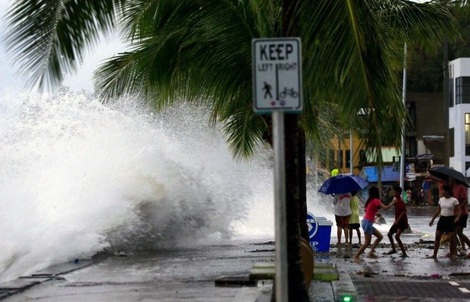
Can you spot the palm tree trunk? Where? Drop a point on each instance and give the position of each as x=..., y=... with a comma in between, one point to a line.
x=295, y=177
x=302, y=185
x=294, y=144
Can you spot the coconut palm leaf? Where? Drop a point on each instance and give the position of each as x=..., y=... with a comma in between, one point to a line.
x=199, y=51
x=208, y=60
x=48, y=38
x=356, y=39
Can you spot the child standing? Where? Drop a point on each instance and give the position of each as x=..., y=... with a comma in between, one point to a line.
x=342, y=211
x=354, y=218
x=400, y=223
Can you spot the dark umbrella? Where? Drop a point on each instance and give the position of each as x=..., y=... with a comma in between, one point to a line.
x=341, y=184
x=444, y=173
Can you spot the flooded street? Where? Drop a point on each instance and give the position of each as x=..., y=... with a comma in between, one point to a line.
x=419, y=243
x=191, y=274
x=174, y=275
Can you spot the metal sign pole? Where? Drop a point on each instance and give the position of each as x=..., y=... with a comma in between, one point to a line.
x=403, y=129
x=280, y=206
x=277, y=88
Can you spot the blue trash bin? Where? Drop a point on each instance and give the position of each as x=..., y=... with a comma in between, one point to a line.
x=319, y=233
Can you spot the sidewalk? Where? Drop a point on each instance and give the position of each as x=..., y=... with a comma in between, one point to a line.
x=223, y=274
x=392, y=278
x=185, y=274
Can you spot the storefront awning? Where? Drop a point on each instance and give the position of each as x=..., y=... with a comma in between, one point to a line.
x=388, y=174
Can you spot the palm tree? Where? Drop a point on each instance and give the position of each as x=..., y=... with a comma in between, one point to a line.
x=199, y=51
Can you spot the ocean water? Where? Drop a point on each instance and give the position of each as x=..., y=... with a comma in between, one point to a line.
x=79, y=177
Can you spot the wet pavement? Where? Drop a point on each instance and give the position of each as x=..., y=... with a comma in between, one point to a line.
x=195, y=274
x=393, y=278
x=173, y=275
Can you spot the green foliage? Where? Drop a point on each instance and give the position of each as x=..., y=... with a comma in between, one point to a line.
x=48, y=38
x=354, y=50
x=200, y=51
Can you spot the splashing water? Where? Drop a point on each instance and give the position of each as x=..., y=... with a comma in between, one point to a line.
x=79, y=178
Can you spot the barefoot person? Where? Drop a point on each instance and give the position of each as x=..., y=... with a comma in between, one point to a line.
x=354, y=223
x=342, y=211
x=460, y=193
x=447, y=206
x=373, y=204
x=400, y=223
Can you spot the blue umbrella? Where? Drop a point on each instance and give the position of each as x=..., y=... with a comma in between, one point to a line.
x=341, y=184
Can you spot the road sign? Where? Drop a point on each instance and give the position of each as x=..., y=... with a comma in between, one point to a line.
x=277, y=74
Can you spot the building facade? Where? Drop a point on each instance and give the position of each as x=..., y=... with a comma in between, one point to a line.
x=438, y=133
x=459, y=115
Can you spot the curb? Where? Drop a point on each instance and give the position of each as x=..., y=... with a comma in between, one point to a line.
x=322, y=271
x=344, y=289
x=23, y=283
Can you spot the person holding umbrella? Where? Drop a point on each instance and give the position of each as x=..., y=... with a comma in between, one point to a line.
x=458, y=186
x=373, y=204
x=460, y=192
x=342, y=211
x=340, y=187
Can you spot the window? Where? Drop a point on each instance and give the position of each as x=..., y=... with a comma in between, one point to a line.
x=411, y=146
x=411, y=108
x=362, y=157
x=467, y=133
x=451, y=142
x=331, y=159
x=348, y=158
x=462, y=90
x=451, y=92
x=323, y=158
x=340, y=159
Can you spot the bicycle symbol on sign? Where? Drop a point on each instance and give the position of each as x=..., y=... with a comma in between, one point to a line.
x=288, y=92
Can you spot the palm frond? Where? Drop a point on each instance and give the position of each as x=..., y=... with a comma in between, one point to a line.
x=244, y=133
x=47, y=39
x=200, y=51
x=417, y=24
x=352, y=54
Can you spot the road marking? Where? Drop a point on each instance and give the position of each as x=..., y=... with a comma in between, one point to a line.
x=462, y=289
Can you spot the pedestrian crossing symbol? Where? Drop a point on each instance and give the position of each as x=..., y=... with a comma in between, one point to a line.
x=277, y=75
